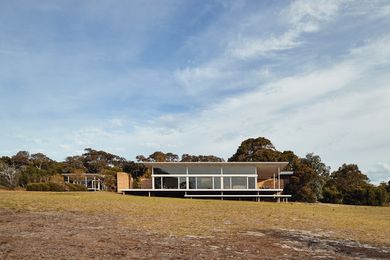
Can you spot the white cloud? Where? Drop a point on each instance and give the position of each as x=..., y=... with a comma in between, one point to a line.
x=117, y=122
x=306, y=11
x=248, y=47
x=380, y=172
x=301, y=17
x=228, y=69
x=65, y=146
x=198, y=76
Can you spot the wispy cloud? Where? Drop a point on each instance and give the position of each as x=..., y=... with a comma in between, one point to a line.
x=300, y=17
x=229, y=70
x=380, y=172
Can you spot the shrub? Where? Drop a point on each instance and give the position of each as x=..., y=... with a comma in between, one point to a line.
x=57, y=187
x=52, y=186
x=76, y=187
x=331, y=195
x=377, y=196
x=357, y=196
x=39, y=186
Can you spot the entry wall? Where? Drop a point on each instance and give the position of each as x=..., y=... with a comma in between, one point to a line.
x=122, y=181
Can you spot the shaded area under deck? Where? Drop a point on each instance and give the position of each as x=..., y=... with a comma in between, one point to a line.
x=245, y=194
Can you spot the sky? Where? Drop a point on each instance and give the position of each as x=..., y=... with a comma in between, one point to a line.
x=197, y=77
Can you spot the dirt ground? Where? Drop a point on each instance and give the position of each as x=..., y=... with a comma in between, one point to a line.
x=74, y=235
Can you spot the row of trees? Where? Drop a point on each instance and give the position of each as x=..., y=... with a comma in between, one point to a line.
x=24, y=168
x=312, y=180
x=171, y=157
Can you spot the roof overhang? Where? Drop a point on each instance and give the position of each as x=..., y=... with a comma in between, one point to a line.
x=265, y=170
x=82, y=174
x=280, y=165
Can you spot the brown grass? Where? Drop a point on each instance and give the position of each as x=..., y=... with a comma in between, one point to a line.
x=184, y=217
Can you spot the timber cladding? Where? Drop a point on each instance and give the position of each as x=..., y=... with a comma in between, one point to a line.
x=146, y=183
x=123, y=181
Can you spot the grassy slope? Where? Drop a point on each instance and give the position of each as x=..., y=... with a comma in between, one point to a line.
x=205, y=217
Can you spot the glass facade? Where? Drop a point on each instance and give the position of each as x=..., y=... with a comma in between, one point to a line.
x=239, y=182
x=217, y=182
x=238, y=170
x=192, y=182
x=226, y=182
x=251, y=182
x=183, y=182
x=170, y=183
x=204, y=170
x=204, y=177
x=169, y=170
x=157, y=182
x=204, y=182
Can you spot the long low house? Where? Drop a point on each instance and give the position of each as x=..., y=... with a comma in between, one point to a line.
x=251, y=180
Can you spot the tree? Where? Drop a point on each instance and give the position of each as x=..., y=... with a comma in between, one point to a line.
x=377, y=195
x=200, y=158
x=110, y=179
x=320, y=176
x=171, y=157
x=135, y=169
x=40, y=161
x=20, y=159
x=141, y=158
x=31, y=174
x=73, y=163
x=315, y=162
x=303, y=184
x=347, y=185
x=5, y=159
x=8, y=175
x=255, y=150
x=158, y=156
x=93, y=161
x=386, y=186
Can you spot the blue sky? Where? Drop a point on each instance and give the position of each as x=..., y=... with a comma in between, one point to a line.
x=133, y=77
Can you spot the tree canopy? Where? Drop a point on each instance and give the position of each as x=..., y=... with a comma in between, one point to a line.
x=255, y=150
x=171, y=157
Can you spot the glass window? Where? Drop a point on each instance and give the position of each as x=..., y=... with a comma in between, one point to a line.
x=226, y=182
x=192, y=182
x=157, y=182
x=239, y=183
x=204, y=182
x=204, y=170
x=251, y=182
x=170, y=182
x=217, y=182
x=183, y=182
x=170, y=170
x=239, y=170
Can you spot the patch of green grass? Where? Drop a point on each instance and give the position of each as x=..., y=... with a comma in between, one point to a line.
x=182, y=217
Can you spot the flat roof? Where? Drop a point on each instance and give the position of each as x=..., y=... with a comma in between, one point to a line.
x=82, y=174
x=255, y=164
x=264, y=169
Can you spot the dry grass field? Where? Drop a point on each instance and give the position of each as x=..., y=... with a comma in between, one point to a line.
x=107, y=225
